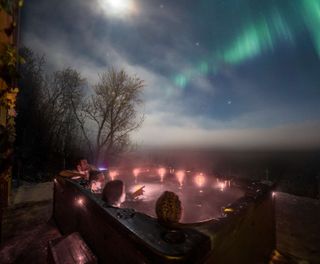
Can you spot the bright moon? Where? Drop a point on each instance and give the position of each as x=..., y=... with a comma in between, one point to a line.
x=117, y=8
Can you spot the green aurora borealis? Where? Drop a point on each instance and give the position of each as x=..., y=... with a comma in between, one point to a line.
x=262, y=34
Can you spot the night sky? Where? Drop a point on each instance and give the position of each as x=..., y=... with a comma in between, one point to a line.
x=218, y=73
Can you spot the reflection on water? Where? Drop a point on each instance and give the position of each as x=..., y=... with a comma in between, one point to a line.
x=199, y=204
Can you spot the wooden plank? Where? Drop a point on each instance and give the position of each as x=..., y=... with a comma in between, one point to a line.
x=70, y=249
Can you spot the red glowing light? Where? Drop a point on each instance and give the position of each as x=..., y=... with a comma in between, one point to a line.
x=222, y=186
x=180, y=176
x=80, y=201
x=162, y=172
x=113, y=174
x=200, y=180
x=136, y=172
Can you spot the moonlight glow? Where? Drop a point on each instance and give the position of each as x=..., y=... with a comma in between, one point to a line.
x=117, y=8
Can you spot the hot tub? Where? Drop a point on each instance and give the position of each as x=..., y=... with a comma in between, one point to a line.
x=223, y=221
x=202, y=196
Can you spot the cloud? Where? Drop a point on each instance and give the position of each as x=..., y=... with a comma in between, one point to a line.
x=156, y=45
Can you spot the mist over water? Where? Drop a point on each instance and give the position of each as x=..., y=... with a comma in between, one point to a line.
x=296, y=172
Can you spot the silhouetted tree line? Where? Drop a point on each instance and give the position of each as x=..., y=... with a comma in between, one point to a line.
x=60, y=117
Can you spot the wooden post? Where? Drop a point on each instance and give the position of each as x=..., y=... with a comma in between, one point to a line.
x=3, y=192
x=3, y=200
x=8, y=36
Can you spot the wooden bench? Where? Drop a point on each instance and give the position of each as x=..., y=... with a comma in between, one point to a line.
x=70, y=249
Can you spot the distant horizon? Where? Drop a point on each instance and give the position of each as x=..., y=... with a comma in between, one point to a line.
x=223, y=149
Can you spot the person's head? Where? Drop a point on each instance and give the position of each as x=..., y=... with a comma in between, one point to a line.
x=82, y=164
x=168, y=208
x=96, y=180
x=114, y=193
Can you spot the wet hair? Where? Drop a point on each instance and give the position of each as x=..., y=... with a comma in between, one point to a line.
x=94, y=175
x=113, y=192
x=168, y=208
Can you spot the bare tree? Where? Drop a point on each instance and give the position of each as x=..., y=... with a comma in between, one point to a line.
x=110, y=113
x=47, y=130
x=29, y=142
x=61, y=97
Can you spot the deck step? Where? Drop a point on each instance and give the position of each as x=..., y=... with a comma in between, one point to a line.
x=70, y=249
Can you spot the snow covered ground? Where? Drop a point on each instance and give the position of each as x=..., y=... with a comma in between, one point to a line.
x=27, y=227
x=29, y=205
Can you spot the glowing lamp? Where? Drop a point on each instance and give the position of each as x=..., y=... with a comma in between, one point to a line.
x=228, y=210
x=222, y=186
x=136, y=172
x=200, y=180
x=80, y=201
x=113, y=174
x=180, y=176
x=162, y=172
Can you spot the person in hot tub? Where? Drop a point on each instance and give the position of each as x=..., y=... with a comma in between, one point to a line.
x=168, y=208
x=84, y=168
x=81, y=171
x=96, y=181
x=114, y=193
